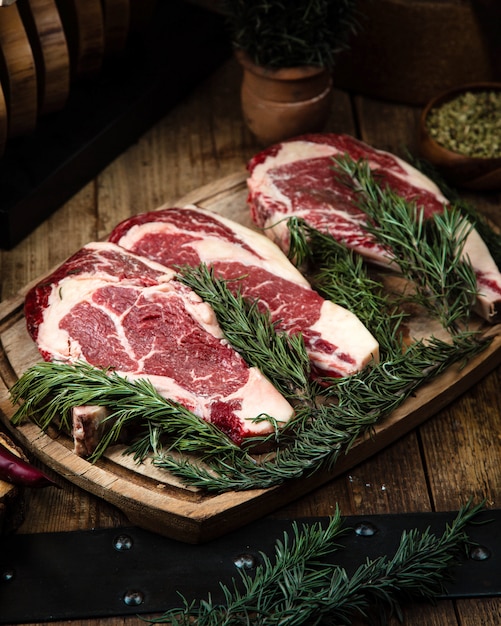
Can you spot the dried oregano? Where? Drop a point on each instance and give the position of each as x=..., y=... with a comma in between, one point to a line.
x=469, y=124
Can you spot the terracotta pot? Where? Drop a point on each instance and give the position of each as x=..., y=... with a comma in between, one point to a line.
x=283, y=103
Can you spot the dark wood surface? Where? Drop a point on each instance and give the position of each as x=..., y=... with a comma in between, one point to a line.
x=437, y=467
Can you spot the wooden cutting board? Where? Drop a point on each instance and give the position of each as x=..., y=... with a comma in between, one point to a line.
x=153, y=499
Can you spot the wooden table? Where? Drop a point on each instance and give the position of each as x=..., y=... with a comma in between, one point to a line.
x=437, y=467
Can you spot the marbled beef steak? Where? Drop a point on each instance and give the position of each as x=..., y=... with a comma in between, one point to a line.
x=113, y=309
x=337, y=342
x=296, y=178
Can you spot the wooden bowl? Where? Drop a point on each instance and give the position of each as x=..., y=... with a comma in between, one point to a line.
x=477, y=173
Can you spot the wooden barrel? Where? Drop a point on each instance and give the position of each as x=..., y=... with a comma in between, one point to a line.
x=409, y=50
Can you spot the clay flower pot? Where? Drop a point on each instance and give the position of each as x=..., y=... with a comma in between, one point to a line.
x=279, y=104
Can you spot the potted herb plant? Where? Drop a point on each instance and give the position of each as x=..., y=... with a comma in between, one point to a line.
x=287, y=51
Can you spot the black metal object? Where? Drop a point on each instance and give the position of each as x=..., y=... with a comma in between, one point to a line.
x=129, y=571
x=106, y=114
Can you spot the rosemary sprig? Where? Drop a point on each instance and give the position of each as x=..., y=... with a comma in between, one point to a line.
x=325, y=432
x=47, y=392
x=340, y=275
x=282, y=358
x=298, y=588
x=490, y=236
x=428, y=252
x=279, y=34
x=382, y=388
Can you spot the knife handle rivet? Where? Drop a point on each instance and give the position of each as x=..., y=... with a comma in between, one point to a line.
x=133, y=598
x=480, y=553
x=246, y=561
x=8, y=575
x=122, y=542
x=365, y=529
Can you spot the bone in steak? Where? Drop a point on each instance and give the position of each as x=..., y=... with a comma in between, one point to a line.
x=337, y=342
x=89, y=423
x=111, y=308
x=296, y=177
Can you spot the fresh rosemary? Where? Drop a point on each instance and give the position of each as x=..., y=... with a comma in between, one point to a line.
x=47, y=393
x=288, y=34
x=282, y=358
x=299, y=587
x=428, y=252
x=322, y=434
x=490, y=236
x=340, y=275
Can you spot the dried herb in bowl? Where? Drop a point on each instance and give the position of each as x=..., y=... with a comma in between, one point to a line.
x=468, y=124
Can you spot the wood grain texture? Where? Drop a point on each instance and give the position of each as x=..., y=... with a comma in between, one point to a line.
x=75, y=221
x=17, y=73
x=50, y=50
x=461, y=447
x=84, y=27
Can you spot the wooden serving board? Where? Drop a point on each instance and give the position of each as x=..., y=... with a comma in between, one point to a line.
x=153, y=499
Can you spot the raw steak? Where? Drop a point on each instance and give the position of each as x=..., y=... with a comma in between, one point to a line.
x=296, y=178
x=337, y=342
x=114, y=309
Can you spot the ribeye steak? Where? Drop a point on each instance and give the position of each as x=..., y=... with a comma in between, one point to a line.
x=296, y=177
x=337, y=342
x=111, y=308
